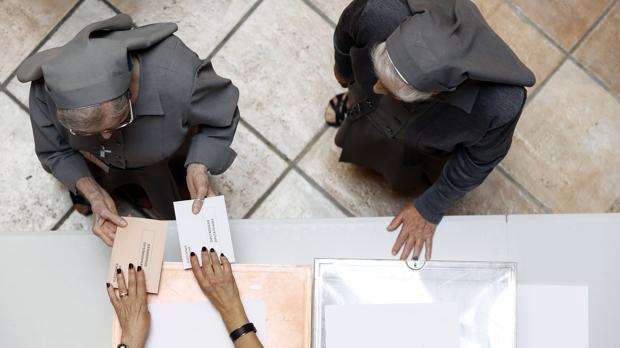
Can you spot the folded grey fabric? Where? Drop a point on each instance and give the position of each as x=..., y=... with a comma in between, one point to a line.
x=446, y=42
x=94, y=66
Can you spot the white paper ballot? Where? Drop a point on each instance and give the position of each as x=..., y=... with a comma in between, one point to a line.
x=424, y=325
x=197, y=325
x=552, y=316
x=208, y=228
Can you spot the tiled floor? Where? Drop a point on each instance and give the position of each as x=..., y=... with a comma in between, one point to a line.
x=279, y=53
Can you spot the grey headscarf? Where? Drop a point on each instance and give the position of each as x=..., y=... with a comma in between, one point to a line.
x=94, y=66
x=446, y=42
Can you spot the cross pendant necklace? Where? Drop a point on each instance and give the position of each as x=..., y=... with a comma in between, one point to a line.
x=103, y=151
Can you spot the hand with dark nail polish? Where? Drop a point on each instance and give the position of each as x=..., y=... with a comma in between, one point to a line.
x=216, y=280
x=130, y=306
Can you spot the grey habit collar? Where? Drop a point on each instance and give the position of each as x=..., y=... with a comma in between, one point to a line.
x=446, y=42
x=94, y=66
x=148, y=101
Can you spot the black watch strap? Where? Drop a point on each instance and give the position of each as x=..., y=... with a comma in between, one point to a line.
x=122, y=345
x=237, y=333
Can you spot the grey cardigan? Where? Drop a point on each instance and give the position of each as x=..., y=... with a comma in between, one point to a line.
x=178, y=93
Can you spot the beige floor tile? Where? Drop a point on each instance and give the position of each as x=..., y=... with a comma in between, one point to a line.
x=487, y=7
x=361, y=191
x=89, y=11
x=496, y=195
x=332, y=8
x=565, y=20
x=601, y=51
x=565, y=149
x=31, y=198
x=253, y=172
x=533, y=48
x=284, y=72
x=295, y=198
x=23, y=25
x=202, y=24
x=77, y=222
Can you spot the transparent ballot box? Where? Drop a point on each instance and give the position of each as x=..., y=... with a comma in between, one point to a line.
x=483, y=292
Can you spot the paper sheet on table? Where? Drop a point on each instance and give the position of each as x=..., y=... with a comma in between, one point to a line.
x=197, y=325
x=552, y=316
x=208, y=228
x=428, y=325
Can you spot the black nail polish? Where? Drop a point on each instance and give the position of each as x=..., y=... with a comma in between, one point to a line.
x=204, y=248
x=192, y=254
x=139, y=268
x=107, y=285
x=131, y=266
x=212, y=250
x=118, y=271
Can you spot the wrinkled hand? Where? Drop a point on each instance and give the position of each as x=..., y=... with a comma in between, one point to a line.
x=103, y=207
x=198, y=185
x=416, y=231
x=132, y=310
x=216, y=280
x=340, y=78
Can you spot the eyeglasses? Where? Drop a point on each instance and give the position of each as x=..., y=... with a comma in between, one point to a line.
x=125, y=124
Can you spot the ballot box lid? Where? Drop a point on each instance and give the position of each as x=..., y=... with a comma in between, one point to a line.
x=485, y=293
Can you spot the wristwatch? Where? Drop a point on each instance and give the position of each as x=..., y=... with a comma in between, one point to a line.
x=122, y=345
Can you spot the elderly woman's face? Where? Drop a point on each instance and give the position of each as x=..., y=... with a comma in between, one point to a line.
x=379, y=88
x=110, y=122
x=105, y=119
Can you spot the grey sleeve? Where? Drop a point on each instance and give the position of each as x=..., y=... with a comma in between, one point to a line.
x=213, y=109
x=344, y=37
x=465, y=171
x=52, y=149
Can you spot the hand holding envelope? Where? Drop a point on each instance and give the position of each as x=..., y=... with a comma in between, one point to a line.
x=141, y=243
x=208, y=228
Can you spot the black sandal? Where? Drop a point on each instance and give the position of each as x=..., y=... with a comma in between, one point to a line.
x=339, y=106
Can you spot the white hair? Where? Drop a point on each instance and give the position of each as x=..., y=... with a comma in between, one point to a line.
x=91, y=116
x=392, y=80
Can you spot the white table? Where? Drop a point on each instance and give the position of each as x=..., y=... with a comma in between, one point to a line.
x=53, y=283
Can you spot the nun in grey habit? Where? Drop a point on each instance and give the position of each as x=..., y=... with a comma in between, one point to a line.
x=434, y=96
x=120, y=107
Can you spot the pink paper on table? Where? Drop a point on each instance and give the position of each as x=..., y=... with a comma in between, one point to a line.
x=286, y=292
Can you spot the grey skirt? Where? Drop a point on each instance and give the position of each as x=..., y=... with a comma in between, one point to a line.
x=364, y=142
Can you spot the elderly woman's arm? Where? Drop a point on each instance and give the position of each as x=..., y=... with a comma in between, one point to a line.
x=217, y=282
x=69, y=166
x=213, y=111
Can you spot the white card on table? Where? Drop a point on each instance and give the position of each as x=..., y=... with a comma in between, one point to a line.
x=208, y=228
x=552, y=316
x=427, y=325
x=197, y=325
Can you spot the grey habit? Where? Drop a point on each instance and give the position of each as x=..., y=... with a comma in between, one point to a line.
x=444, y=147
x=184, y=113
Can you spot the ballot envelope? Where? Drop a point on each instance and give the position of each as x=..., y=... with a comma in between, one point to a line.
x=433, y=304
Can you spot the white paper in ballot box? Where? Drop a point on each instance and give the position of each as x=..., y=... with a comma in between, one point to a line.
x=209, y=228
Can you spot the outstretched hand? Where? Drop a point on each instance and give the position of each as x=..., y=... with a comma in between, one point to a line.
x=416, y=232
x=198, y=185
